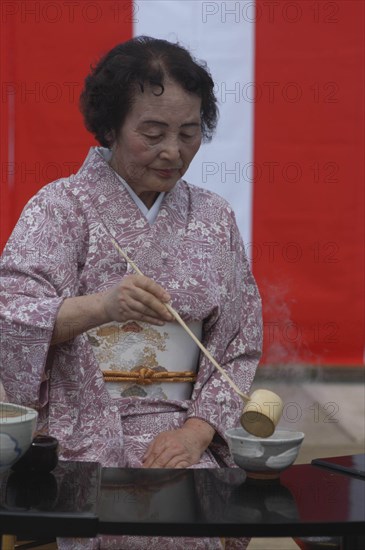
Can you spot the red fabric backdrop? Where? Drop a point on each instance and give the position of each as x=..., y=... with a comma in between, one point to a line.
x=308, y=205
x=46, y=49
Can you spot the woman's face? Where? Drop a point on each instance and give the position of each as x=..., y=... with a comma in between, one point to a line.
x=158, y=140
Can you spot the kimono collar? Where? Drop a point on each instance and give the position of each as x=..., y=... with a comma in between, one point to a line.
x=99, y=182
x=149, y=213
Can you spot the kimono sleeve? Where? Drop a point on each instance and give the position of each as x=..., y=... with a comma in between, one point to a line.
x=39, y=268
x=234, y=339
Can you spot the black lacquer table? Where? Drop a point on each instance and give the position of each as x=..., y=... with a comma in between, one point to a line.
x=63, y=502
x=81, y=499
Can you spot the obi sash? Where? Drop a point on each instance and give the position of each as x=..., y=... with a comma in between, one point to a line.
x=144, y=360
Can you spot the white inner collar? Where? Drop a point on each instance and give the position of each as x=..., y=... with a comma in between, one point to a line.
x=149, y=213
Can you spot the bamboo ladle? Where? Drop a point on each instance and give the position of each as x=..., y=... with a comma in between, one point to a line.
x=263, y=409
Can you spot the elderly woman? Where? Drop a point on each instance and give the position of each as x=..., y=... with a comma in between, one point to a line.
x=87, y=340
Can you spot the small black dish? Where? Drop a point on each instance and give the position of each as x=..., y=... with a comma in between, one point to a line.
x=41, y=457
x=27, y=490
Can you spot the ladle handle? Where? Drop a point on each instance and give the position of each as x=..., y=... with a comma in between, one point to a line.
x=182, y=323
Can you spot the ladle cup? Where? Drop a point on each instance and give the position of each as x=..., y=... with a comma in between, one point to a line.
x=262, y=413
x=262, y=410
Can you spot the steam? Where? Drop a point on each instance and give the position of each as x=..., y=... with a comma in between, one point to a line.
x=285, y=343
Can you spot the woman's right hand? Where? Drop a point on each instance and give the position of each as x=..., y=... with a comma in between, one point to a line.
x=137, y=298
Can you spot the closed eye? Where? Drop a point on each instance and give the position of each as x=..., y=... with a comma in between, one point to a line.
x=153, y=136
x=187, y=136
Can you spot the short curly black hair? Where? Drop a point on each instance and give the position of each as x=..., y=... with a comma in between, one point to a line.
x=110, y=87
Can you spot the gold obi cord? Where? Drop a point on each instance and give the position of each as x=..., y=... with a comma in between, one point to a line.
x=146, y=375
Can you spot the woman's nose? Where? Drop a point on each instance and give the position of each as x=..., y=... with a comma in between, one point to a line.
x=170, y=151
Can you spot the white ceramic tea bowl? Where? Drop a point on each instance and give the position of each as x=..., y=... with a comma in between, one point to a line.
x=17, y=428
x=264, y=457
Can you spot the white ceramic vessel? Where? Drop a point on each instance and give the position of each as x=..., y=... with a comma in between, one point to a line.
x=261, y=457
x=17, y=428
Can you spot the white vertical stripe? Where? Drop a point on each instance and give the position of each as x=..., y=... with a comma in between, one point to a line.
x=222, y=34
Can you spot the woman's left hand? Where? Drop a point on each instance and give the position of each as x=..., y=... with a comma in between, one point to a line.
x=179, y=448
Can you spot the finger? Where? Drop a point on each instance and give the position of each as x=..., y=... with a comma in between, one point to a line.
x=154, y=306
x=134, y=301
x=139, y=312
x=181, y=464
x=179, y=461
x=139, y=309
x=153, y=288
x=152, y=453
x=174, y=462
x=150, y=320
x=159, y=458
x=155, y=460
x=147, y=303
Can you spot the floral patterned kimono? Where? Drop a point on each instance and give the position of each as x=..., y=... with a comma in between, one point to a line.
x=62, y=247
